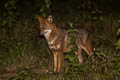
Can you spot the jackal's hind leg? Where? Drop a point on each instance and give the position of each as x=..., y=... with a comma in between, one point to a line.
x=86, y=49
x=79, y=55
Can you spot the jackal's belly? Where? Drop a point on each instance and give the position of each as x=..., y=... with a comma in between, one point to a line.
x=66, y=47
x=53, y=43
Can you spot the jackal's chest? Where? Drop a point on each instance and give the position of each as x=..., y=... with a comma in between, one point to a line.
x=54, y=43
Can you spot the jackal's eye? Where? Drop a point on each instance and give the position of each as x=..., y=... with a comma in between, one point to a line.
x=42, y=28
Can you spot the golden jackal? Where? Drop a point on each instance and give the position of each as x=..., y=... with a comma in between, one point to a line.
x=58, y=39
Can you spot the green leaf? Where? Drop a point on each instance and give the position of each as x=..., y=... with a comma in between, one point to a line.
x=118, y=32
x=70, y=58
x=4, y=22
x=43, y=15
x=75, y=64
x=71, y=24
x=72, y=30
x=118, y=43
x=101, y=54
x=6, y=5
x=67, y=56
x=42, y=9
x=48, y=5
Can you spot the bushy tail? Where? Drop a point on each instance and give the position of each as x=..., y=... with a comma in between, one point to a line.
x=90, y=46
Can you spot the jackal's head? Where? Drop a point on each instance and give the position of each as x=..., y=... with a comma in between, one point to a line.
x=46, y=25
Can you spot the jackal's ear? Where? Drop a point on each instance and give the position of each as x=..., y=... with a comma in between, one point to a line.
x=50, y=19
x=40, y=19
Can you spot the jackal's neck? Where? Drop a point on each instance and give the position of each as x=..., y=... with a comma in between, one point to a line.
x=57, y=31
x=47, y=35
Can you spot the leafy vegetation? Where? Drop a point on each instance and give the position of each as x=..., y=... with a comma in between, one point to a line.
x=24, y=55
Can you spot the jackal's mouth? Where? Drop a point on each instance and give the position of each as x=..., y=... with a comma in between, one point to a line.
x=42, y=33
x=46, y=31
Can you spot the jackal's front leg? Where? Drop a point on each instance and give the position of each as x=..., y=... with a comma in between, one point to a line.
x=55, y=61
x=68, y=49
x=60, y=61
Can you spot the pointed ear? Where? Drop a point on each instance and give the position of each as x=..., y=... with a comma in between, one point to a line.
x=50, y=19
x=40, y=19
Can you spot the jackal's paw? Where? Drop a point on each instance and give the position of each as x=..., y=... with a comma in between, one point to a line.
x=70, y=47
x=76, y=53
x=80, y=60
x=46, y=71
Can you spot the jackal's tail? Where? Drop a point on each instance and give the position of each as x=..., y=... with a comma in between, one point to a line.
x=90, y=46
